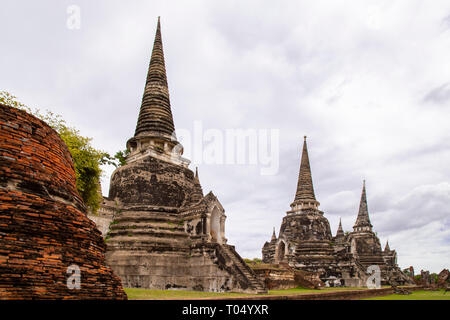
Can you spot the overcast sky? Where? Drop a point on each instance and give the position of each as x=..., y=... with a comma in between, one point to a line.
x=367, y=81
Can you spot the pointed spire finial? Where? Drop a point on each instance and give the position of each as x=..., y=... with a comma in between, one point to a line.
x=305, y=189
x=340, y=231
x=197, y=194
x=274, y=236
x=363, y=220
x=155, y=116
x=386, y=248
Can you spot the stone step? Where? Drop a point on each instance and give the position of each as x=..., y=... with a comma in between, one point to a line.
x=368, y=262
x=139, y=239
x=157, y=233
x=175, y=222
x=147, y=217
x=252, y=279
x=147, y=225
x=153, y=249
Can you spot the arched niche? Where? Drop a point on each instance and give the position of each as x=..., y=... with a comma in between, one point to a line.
x=216, y=225
x=281, y=251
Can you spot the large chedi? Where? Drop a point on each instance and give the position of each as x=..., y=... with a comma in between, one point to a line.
x=305, y=242
x=364, y=243
x=165, y=234
x=305, y=235
x=365, y=247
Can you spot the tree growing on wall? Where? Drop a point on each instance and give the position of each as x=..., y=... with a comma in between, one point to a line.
x=121, y=157
x=86, y=159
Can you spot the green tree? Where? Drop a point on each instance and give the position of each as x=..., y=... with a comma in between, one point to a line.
x=434, y=277
x=121, y=157
x=87, y=160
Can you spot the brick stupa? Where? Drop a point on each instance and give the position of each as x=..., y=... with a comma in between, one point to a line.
x=44, y=231
x=305, y=242
x=164, y=233
x=305, y=235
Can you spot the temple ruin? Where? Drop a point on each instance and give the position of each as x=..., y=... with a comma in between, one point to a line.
x=305, y=241
x=164, y=233
x=45, y=234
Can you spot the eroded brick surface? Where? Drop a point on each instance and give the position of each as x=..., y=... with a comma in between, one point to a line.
x=43, y=225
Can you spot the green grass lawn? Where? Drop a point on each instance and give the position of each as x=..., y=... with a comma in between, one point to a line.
x=147, y=294
x=416, y=295
x=302, y=291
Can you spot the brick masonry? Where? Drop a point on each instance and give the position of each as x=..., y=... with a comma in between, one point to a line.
x=43, y=224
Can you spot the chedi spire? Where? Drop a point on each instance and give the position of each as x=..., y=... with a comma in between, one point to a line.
x=305, y=197
x=340, y=235
x=155, y=131
x=305, y=188
x=197, y=195
x=363, y=221
x=155, y=116
x=340, y=231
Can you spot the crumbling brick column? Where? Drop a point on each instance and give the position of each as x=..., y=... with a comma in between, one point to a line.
x=43, y=224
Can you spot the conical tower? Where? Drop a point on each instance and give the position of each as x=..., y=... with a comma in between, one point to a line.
x=340, y=232
x=274, y=236
x=155, y=130
x=386, y=248
x=304, y=197
x=163, y=221
x=155, y=116
x=305, y=233
x=363, y=221
x=197, y=195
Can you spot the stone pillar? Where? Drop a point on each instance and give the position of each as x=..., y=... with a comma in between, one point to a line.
x=411, y=271
x=208, y=226
x=222, y=228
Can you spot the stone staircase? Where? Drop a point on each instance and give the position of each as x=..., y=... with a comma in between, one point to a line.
x=149, y=229
x=136, y=237
x=246, y=271
x=368, y=260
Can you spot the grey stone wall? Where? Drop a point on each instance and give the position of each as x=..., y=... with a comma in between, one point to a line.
x=152, y=182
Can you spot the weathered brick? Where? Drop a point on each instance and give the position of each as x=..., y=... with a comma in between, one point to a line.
x=41, y=237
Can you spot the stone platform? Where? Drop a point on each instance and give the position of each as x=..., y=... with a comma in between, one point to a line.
x=164, y=232
x=152, y=249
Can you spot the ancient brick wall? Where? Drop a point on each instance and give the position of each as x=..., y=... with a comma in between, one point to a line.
x=307, y=226
x=279, y=277
x=152, y=182
x=43, y=224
